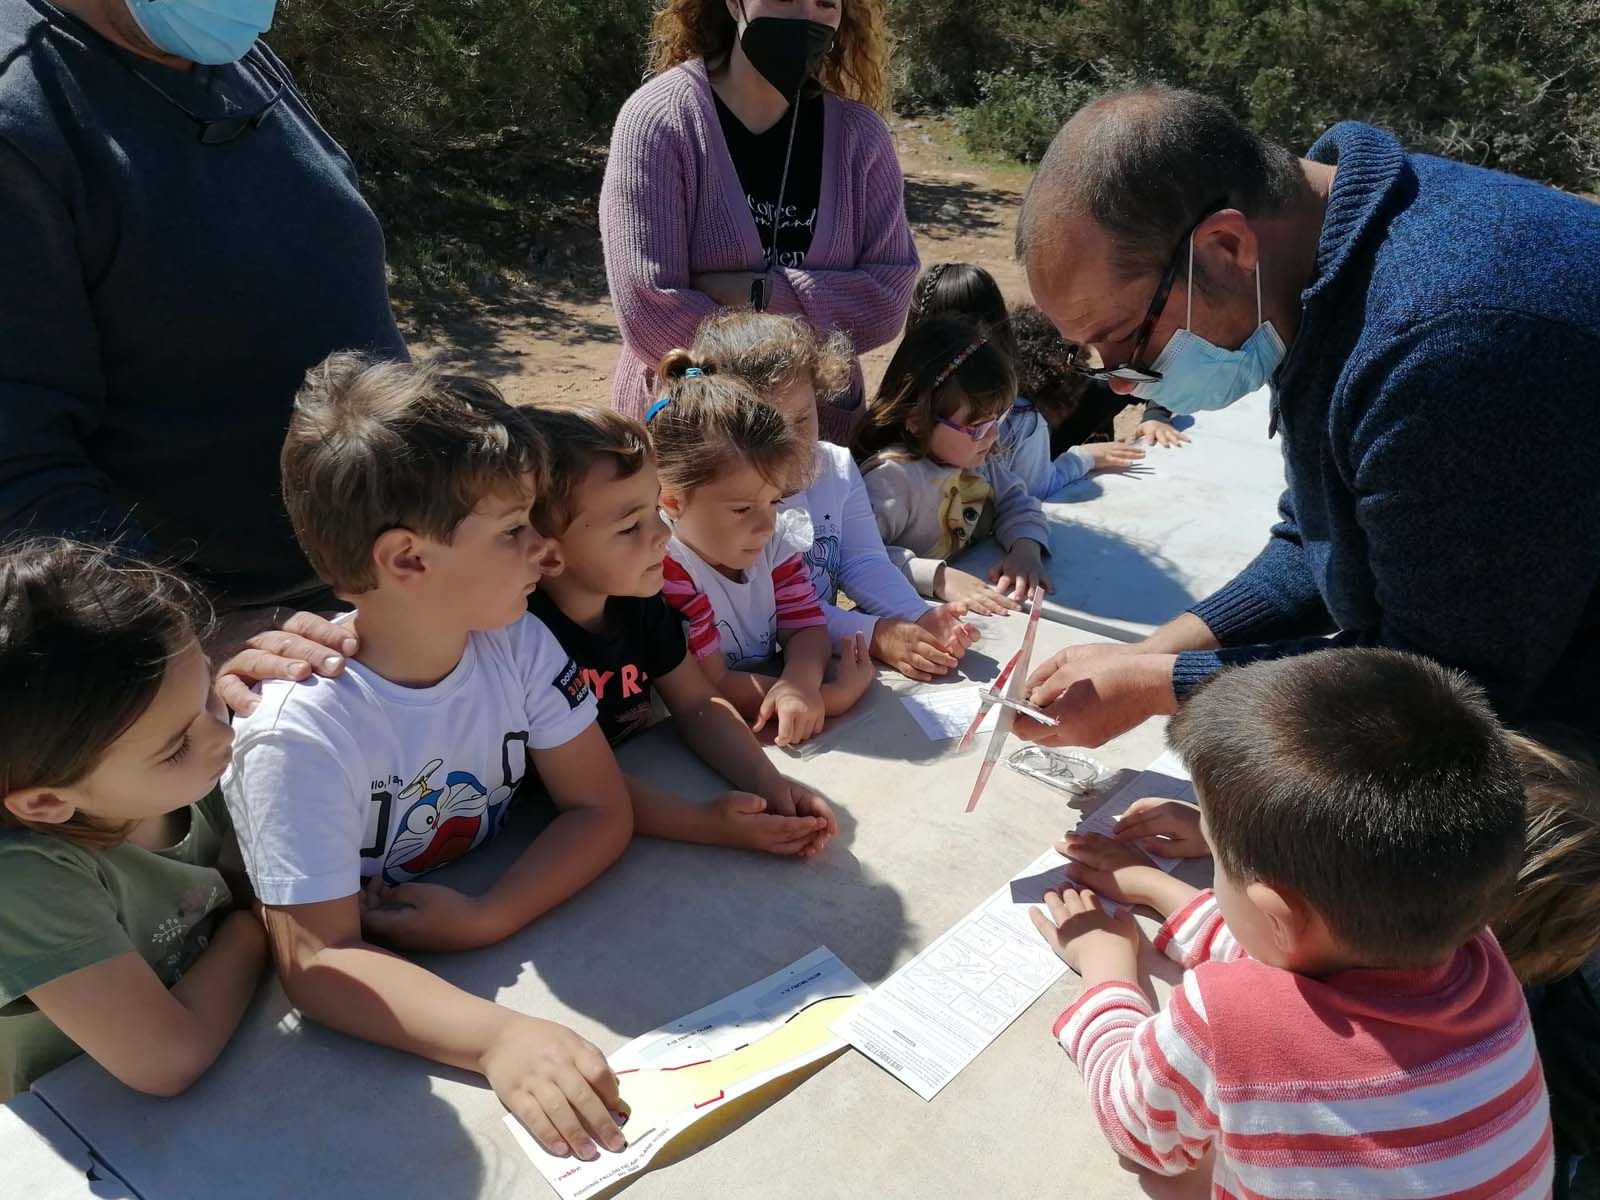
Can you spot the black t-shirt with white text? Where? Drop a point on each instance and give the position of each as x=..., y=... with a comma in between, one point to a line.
x=641, y=642
x=758, y=158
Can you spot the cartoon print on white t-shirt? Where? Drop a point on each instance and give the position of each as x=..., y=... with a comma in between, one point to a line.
x=446, y=820
x=736, y=652
x=822, y=563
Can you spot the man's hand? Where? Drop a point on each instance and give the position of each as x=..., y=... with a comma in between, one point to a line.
x=974, y=595
x=261, y=648
x=1159, y=433
x=1021, y=570
x=422, y=916
x=1096, y=697
x=558, y=1085
x=744, y=821
x=1167, y=827
x=1093, y=943
x=798, y=714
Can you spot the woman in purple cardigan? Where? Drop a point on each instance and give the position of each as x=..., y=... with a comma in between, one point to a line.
x=754, y=168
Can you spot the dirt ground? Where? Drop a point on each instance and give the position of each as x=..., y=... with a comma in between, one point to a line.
x=558, y=337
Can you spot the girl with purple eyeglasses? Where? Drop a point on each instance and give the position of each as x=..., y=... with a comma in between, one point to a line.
x=925, y=448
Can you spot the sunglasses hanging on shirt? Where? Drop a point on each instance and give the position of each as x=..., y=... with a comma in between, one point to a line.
x=785, y=51
x=219, y=131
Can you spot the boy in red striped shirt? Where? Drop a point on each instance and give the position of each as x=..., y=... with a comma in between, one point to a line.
x=1347, y=1026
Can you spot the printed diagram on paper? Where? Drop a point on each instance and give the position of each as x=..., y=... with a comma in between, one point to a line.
x=686, y=1070
x=937, y=1013
x=932, y=1017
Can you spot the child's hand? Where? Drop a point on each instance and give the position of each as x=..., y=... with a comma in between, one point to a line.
x=796, y=800
x=1159, y=433
x=1167, y=827
x=1114, y=456
x=420, y=916
x=1110, y=868
x=1088, y=939
x=558, y=1085
x=799, y=715
x=849, y=675
x=914, y=650
x=744, y=821
x=974, y=594
x=945, y=623
x=1021, y=570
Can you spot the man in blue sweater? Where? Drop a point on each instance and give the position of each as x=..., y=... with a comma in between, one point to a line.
x=1425, y=326
x=179, y=241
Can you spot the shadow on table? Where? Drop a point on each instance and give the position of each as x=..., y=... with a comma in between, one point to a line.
x=290, y=1109
x=1100, y=573
x=671, y=926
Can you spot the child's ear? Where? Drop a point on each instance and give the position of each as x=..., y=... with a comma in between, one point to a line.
x=551, y=560
x=397, y=554
x=1287, y=917
x=40, y=806
x=671, y=504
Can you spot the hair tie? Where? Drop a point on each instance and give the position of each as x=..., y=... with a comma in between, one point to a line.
x=956, y=362
x=650, y=413
x=693, y=373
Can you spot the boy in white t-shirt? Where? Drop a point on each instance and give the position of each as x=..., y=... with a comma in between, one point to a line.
x=409, y=492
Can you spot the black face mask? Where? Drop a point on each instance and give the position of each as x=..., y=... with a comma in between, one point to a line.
x=786, y=50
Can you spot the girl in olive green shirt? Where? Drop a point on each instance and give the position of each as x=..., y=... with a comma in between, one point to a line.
x=118, y=934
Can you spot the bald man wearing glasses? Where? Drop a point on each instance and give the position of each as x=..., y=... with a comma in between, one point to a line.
x=179, y=241
x=1421, y=323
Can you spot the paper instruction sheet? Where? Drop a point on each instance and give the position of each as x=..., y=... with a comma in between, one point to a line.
x=944, y=713
x=676, y=1075
x=936, y=1014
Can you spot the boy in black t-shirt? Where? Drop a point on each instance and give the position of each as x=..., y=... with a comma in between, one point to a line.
x=601, y=597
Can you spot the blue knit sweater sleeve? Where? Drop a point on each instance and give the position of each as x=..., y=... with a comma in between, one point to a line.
x=1274, y=597
x=1453, y=504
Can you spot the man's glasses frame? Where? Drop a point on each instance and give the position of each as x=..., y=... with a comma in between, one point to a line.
x=1127, y=369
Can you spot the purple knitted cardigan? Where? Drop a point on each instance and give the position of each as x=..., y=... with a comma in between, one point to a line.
x=672, y=206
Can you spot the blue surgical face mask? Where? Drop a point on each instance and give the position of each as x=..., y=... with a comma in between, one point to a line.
x=1197, y=376
x=211, y=32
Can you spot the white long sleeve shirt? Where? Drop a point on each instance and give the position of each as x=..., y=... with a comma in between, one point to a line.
x=846, y=552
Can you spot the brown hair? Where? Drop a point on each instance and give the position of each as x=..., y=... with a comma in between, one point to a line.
x=912, y=390
x=1552, y=923
x=706, y=420
x=772, y=352
x=962, y=289
x=581, y=433
x=374, y=446
x=85, y=637
x=1377, y=785
x=856, y=68
x=1043, y=373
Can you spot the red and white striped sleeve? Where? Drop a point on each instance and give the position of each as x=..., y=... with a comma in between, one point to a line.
x=693, y=605
x=1196, y=933
x=798, y=607
x=1150, y=1075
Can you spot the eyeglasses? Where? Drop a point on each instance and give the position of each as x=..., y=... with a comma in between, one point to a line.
x=219, y=131
x=1126, y=369
x=976, y=432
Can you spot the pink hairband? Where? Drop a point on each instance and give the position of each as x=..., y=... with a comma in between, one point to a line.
x=955, y=363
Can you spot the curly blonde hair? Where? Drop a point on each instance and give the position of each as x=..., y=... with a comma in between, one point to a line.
x=857, y=67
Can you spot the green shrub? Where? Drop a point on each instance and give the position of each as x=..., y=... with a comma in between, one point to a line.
x=1512, y=84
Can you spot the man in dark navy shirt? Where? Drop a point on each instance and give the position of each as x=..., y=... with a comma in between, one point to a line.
x=178, y=244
